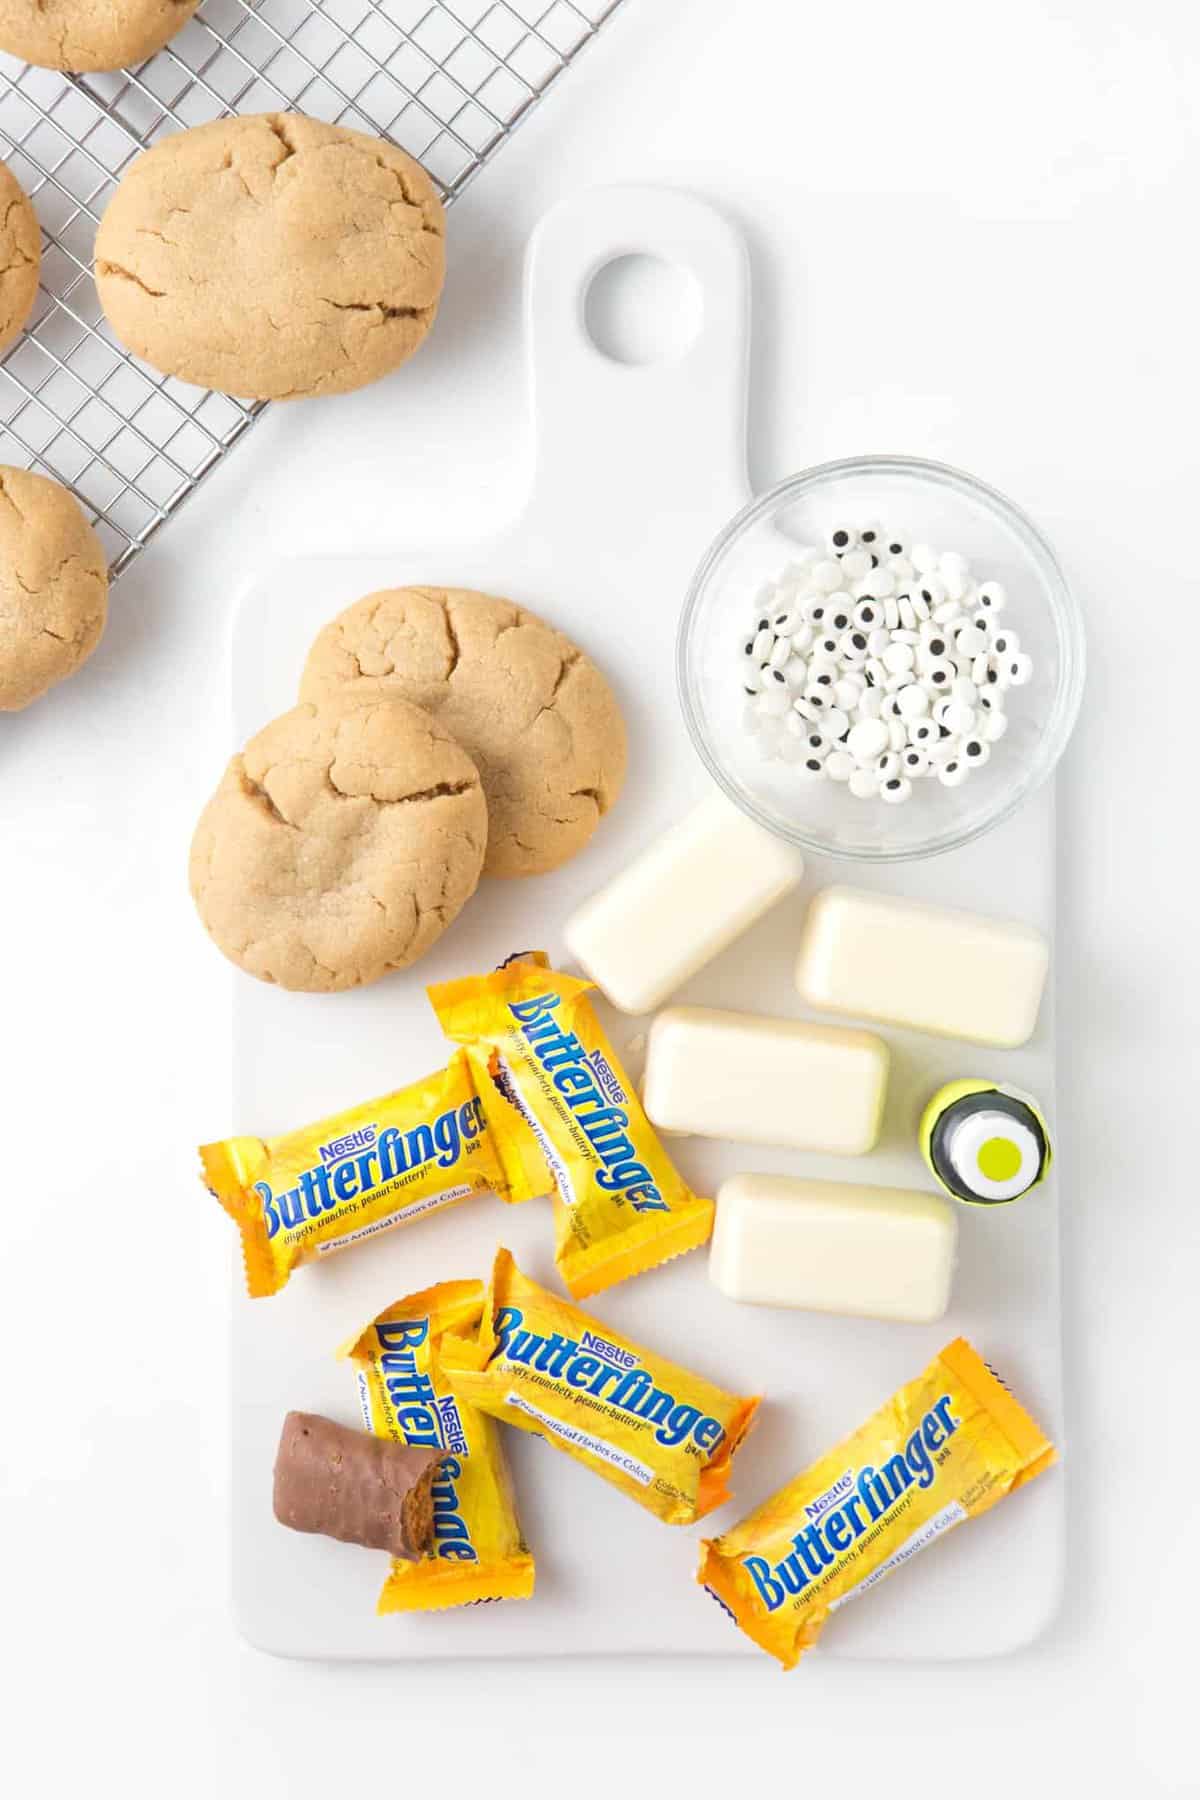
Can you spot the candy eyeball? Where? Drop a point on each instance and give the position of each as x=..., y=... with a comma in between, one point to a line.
x=879, y=584
x=912, y=702
x=774, y=702
x=971, y=642
x=953, y=574
x=874, y=662
x=1016, y=671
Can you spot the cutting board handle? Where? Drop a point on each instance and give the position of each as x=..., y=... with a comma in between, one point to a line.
x=673, y=430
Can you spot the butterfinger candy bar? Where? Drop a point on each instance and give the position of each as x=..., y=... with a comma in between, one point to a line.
x=300, y=1196
x=663, y=1436
x=353, y=1487
x=478, y=1550
x=944, y=1449
x=555, y=1092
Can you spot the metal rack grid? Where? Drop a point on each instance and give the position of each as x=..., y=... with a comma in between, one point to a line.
x=447, y=80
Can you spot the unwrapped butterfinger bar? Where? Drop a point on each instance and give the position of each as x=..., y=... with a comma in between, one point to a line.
x=354, y=1487
x=478, y=1552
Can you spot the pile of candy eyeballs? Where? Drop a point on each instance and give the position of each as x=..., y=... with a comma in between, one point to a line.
x=875, y=662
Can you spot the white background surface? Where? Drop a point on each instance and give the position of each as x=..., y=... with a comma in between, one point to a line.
x=973, y=233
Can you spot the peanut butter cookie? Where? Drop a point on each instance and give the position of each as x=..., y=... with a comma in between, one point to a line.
x=535, y=714
x=272, y=257
x=53, y=586
x=340, y=844
x=20, y=256
x=79, y=35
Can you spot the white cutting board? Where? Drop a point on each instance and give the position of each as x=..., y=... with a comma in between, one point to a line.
x=636, y=468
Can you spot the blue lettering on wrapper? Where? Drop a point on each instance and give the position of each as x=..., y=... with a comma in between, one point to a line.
x=356, y=1165
x=424, y=1419
x=590, y=1095
x=834, y=1530
x=573, y=1367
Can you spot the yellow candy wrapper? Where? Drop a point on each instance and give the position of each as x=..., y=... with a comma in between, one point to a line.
x=557, y=1097
x=659, y=1434
x=300, y=1196
x=478, y=1553
x=943, y=1449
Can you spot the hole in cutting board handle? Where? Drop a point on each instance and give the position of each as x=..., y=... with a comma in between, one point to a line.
x=641, y=309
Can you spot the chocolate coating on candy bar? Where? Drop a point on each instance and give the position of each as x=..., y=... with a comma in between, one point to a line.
x=354, y=1487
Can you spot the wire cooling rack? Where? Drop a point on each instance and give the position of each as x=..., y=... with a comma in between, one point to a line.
x=448, y=81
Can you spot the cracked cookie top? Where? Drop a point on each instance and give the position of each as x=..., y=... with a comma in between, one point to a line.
x=272, y=257
x=20, y=256
x=79, y=35
x=535, y=714
x=340, y=844
x=53, y=586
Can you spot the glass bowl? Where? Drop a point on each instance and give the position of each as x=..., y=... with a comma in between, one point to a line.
x=926, y=502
